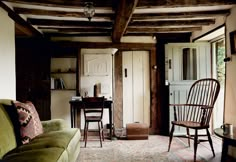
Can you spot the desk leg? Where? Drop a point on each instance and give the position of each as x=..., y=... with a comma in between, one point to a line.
x=224, y=151
x=75, y=119
x=71, y=115
x=110, y=121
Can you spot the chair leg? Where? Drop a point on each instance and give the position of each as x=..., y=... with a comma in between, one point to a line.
x=187, y=129
x=100, y=135
x=195, y=144
x=86, y=133
x=171, y=136
x=102, y=131
x=210, y=141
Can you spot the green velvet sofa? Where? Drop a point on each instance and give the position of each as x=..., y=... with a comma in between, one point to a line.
x=58, y=143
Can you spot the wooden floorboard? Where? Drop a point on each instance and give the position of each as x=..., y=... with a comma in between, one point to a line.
x=204, y=149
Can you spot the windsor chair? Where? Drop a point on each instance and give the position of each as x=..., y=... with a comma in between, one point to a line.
x=93, y=112
x=196, y=112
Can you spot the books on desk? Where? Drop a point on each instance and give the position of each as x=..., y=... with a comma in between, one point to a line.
x=78, y=98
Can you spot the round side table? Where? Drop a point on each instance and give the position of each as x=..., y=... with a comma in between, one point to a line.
x=227, y=140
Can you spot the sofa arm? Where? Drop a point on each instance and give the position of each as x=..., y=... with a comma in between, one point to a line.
x=54, y=125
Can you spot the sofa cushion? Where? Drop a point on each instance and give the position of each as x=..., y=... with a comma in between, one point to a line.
x=51, y=139
x=7, y=136
x=54, y=125
x=35, y=117
x=53, y=154
x=67, y=139
x=29, y=120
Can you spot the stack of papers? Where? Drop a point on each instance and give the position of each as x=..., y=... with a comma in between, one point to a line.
x=76, y=98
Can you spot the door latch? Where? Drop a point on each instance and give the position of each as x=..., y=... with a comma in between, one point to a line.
x=126, y=72
x=169, y=63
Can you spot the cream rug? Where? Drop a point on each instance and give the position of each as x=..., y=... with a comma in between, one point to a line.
x=152, y=150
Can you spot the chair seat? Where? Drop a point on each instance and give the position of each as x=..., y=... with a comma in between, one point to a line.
x=93, y=118
x=190, y=124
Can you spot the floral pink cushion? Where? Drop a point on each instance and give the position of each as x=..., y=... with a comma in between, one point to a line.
x=29, y=121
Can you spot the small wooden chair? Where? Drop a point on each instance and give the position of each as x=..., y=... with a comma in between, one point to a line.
x=93, y=112
x=196, y=113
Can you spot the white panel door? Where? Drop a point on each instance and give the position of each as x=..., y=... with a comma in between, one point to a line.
x=178, y=95
x=136, y=87
x=127, y=62
x=197, y=62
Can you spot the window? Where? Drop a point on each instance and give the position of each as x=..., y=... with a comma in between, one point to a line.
x=220, y=65
x=189, y=64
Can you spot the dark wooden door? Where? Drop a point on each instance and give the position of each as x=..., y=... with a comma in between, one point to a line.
x=33, y=74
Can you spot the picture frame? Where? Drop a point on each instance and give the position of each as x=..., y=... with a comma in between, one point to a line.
x=232, y=37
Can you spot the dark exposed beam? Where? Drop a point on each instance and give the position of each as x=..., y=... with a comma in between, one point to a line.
x=59, y=13
x=65, y=3
x=123, y=16
x=177, y=15
x=157, y=30
x=171, y=23
x=22, y=30
x=21, y=24
x=182, y=3
x=46, y=22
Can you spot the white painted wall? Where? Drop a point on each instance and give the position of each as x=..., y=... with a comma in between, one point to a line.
x=230, y=100
x=230, y=96
x=60, y=107
x=82, y=39
x=219, y=21
x=7, y=57
x=126, y=39
x=140, y=39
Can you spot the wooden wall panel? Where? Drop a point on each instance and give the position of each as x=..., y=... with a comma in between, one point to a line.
x=153, y=85
x=33, y=74
x=118, y=101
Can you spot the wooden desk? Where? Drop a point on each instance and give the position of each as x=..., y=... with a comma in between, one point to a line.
x=76, y=106
x=227, y=140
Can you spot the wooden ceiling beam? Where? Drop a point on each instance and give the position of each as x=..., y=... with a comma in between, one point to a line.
x=157, y=30
x=23, y=29
x=65, y=3
x=179, y=15
x=123, y=15
x=20, y=23
x=182, y=3
x=171, y=23
x=46, y=22
x=59, y=13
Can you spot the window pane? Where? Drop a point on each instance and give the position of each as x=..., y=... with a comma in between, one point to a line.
x=220, y=51
x=189, y=64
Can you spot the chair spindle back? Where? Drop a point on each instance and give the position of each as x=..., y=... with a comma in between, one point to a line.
x=200, y=102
